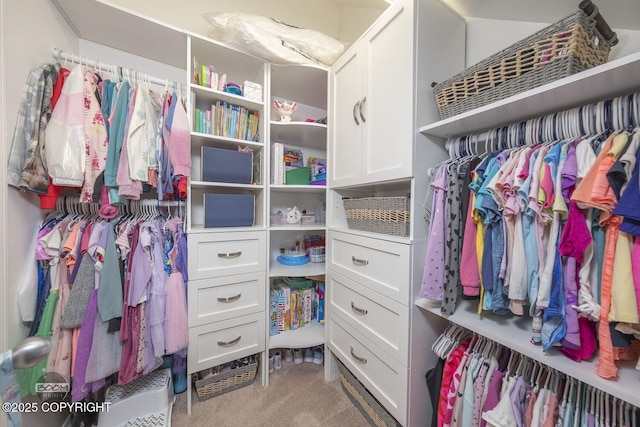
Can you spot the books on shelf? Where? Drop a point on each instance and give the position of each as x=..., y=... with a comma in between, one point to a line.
x=277, y=166
x=226, y=119
x=293, y=308
x=288, y=167
x=292, y=158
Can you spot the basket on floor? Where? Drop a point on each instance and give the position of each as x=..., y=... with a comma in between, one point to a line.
x=387, y=215
x=224, y=382
x=569, y=46
x=368, y=406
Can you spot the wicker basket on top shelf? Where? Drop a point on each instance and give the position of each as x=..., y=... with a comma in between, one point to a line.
x=569, y=46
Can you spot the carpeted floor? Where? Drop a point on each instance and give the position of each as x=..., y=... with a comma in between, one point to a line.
x=297, y=395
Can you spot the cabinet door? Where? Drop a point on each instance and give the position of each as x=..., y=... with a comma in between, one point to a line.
x=388, y=96
x=345, y=149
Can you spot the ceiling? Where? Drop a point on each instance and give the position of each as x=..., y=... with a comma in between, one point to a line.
x=371, y=4
x=621, y=14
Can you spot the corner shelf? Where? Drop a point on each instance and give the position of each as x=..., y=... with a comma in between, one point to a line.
x=303, y=134
x=514, y=332
x=213, y=95
x=308, y=269
x=221, y=141
x=298, y=188
x=309, y=335
x=605, y=81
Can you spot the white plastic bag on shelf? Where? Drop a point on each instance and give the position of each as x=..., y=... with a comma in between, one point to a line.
x=273, y=40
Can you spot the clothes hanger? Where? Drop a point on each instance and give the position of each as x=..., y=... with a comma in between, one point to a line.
x=440, y=338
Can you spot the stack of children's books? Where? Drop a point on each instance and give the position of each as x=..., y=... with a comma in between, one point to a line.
x=295, y=302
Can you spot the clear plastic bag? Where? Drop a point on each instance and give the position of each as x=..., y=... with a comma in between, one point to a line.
x=275, y=41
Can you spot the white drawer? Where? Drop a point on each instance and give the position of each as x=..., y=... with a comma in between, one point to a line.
x=383, y=376
x=379, y=264
x=223, y=254
x=221, y=298
x=221, y=342
x=383, y=320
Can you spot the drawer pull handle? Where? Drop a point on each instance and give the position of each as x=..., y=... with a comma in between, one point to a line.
x=358, y=359
x=358, y=309
x=358, y=261
x=229, y=255
x=229, y=299
x=229, y=343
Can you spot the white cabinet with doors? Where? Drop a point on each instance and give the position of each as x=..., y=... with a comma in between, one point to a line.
x=371, y=103
x=378, y=93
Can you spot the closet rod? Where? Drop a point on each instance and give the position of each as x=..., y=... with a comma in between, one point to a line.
x=616, y=113
x=64, y=56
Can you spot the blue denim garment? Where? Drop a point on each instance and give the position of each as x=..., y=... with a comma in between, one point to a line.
x=556, y=300
x=487, y=268
x=44, y=287
x=500, y=304
x=554, y=327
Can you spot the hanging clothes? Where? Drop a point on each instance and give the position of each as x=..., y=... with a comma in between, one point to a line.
x=558, y=202
x=98, y=324
x=490, y=385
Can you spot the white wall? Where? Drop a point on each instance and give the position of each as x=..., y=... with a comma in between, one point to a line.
x=28, y=34
x=354, y=21
x=488, y=36
x=3, y=202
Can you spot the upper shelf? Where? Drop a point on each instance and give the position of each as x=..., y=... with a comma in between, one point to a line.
x=606, y=81
x=206, y=94
x=96, y=20
x=304, y=134
x=306, y=84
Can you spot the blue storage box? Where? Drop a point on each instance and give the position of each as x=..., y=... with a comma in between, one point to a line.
x=229, y=210
x=220, y=165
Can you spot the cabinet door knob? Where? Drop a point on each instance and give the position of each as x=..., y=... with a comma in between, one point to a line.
x=229, y=299
x=358, y=359
x=358, y=261
x=358, y=309
x=361, y=103
x=229, y=343
x=355, y=107
x=229, y=255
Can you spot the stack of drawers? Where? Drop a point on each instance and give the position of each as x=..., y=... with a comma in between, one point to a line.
x=226, y=297
x=369, y=315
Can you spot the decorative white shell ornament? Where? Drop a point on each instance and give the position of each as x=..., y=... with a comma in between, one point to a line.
x=285, y=109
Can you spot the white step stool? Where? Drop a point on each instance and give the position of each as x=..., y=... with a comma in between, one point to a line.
x=145, y=402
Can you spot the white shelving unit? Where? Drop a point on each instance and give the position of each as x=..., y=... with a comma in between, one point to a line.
x=306, y=85
x=615, y=78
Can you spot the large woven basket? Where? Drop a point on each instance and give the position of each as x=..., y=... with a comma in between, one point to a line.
x=223, y=383
x=368, y=406
x=387, y=215
x=569, y=46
